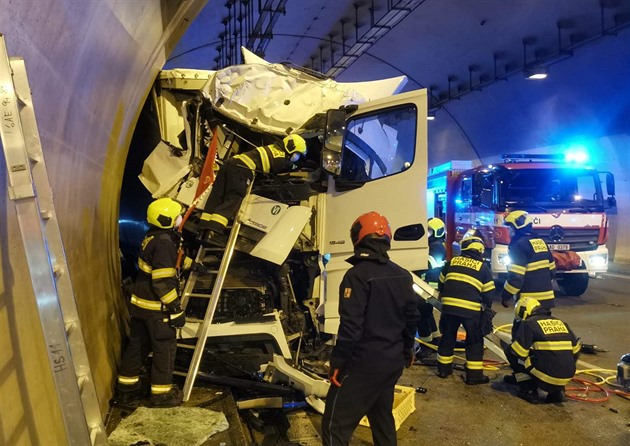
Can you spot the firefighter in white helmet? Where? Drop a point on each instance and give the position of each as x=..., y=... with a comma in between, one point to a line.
x=234, y=177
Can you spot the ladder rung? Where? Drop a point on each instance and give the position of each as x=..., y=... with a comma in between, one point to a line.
x=186, y=346
x=207, y=296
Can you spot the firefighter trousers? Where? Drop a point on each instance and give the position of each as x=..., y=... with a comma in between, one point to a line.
x=449, y=324
x=361, y=394
x=227, y=193
x=150, y=335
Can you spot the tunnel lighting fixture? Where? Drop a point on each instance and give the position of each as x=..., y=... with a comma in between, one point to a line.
x=430, y=116
x=536, y=73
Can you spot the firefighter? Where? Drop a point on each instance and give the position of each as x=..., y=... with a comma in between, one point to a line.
x=543, y=352
x=155, y=310
x=427, y=328
x=378, y=311
x=465, y=286
x=234, y=177
x=531, y=268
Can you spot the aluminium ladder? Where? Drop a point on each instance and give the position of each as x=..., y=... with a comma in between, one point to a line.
x=204, y=327
x=29, y=189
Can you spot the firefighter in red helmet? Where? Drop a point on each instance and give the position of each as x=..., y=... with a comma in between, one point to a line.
x=378, y=311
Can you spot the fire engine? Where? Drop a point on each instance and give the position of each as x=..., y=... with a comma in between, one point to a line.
x=564, y=198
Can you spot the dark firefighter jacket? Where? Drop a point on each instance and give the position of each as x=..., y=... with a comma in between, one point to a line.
x=531, y=268
x=155, y=290
x=268, y=159
x=378, y=310
x=437, y=250
x=465, y=284
x=548, y=347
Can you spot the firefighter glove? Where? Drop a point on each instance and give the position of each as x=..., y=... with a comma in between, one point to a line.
x=176, y=317
x=199, y=268
x=409, y=357
x=506, y=299
x=335, y=373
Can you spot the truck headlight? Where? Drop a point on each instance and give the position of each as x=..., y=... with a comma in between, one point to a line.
x=504, y=259
x=598, y=260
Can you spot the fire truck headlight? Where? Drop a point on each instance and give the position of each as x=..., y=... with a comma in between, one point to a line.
x=504, y=259
x=598, y=260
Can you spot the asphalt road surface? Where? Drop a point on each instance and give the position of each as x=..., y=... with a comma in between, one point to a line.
x=452, y=413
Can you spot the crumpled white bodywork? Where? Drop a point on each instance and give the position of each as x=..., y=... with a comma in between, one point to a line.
x=278, y=99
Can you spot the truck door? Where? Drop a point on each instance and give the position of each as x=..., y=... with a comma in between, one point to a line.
x=383, y=169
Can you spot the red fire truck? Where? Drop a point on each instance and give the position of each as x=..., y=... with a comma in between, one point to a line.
x=565, y=199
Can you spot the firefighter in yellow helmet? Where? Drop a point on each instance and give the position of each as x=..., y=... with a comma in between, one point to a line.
x=378, y=316
x=542, y=354
x=155, y=309
x=466, y=286
x=427, y=327
x=234, y=177
x=531, y=268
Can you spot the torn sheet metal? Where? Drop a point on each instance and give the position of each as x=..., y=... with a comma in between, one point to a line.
x=162, y=170
x=277, y=99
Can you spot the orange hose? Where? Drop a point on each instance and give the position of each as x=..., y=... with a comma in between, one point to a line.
x=589, y=386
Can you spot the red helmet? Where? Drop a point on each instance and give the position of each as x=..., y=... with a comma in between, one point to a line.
x=368, y=224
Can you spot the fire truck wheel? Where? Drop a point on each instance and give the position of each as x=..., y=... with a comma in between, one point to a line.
x=573, y=284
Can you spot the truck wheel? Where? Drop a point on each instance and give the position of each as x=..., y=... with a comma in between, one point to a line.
x=573, y=284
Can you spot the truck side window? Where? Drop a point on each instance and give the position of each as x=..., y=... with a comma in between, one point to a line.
x=465, y=196
x=486, y=195
x=379, y=144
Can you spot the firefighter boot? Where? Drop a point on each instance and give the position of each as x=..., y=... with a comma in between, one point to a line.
x=214, y=239
x=128, y=395
x=171, y=398
x=510, y=379
x=444, y=370
x=556, y=397
x=475, y=377
x=528, y=391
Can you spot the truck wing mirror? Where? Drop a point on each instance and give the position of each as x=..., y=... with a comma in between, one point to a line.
x=333, y=141
x=610, y=184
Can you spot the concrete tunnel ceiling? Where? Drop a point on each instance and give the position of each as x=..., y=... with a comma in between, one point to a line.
x=471, y=55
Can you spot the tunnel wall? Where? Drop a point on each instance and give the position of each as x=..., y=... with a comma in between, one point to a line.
x=90, y=66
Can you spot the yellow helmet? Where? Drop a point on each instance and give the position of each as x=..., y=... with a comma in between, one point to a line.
x=525, y=307
x=294, y=144
x=437, y=226
x=473, y=243
x=163, y=212
x=518, y=219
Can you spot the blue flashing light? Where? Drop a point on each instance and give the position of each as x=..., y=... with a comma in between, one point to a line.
x=576, y=155
x=459, y=201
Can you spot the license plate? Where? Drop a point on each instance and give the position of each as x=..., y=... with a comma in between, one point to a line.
x=560, y=246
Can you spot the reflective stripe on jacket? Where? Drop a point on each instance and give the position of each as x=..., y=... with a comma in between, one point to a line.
x=465, y=283
x=156, y=287
x=531, y=269
x=548, y=347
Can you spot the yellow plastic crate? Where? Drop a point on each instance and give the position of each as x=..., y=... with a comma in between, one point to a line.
x=404, y=405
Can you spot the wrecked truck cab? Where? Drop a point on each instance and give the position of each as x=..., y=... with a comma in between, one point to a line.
x=281, y=291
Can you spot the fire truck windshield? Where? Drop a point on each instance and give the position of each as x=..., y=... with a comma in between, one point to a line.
x=572, y=189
